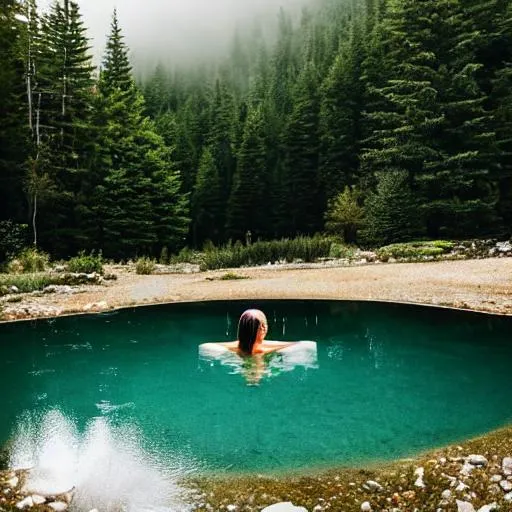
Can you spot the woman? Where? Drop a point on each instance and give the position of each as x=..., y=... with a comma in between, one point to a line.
x=252, y=329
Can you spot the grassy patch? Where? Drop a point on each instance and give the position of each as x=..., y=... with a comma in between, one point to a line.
x=415, y=251
x=27, y=282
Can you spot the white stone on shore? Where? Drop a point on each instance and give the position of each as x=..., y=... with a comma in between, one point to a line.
x=477, y=460
x=488, y=508
x=419, y=472
x=372, y=486
x=508, y=496
x=58, y=506
x=366, y=507
x=465, y=506
x=13, y=482
x=446, y=495
x=496, y=478
x=284, y=506
x=231, y=508
x=506, y=485
x=461, y=487
x=25, y=503
x=466, y=469
x=507, y=466
x=38, y=499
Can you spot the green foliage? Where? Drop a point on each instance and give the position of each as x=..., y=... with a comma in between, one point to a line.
x=29, y=260
x=27, y=282
x=145, y=266
x=415, y=250
x=13, y=237
x=392, y=212
x=231, y=276
x=307, y=249
x=345, y=215
x=86, y=263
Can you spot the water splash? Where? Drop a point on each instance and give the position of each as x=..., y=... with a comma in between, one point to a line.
x=106, y=465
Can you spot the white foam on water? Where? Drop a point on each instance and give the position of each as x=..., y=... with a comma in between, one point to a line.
x=106, y=465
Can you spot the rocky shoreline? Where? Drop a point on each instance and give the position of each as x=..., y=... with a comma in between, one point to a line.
x=475, y=476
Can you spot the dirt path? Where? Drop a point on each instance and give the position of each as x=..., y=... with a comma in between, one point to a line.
x=483, y=285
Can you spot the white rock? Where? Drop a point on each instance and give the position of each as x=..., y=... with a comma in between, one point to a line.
x=464, y=506
x=496, y=478
x=506, y=485
x=372, y=486
x=507, y=466
x=442, y=460
x=467, y=468
x=366, y=507
x=58, y=506
x=446, y=495
x=231, y=508
x=14, y=289
x=488, y=508
x=13, y=482
x=504, y=247
x=94, y=510
x=461, y=487
x=508, y=496
x=26, y=503
x=38, y=499
x=419, y=472
x=477, y=460
x=284, y=506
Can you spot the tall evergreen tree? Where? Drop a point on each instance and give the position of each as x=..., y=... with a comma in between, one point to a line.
x=139, y=208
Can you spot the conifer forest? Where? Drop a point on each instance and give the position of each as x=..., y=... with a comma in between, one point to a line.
x=394, y=114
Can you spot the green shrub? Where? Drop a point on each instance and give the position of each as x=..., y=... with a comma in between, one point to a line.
x=29, y=260
x=145, y=266
x=13, y=237
x=306, y=249
x=86, y=263
x=27, y=282
x=414, y=250
x=231, y=276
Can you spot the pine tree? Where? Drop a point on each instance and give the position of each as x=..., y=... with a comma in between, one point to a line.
x=301, y=180
x=63, y=105
x=207, y=203
x=340, y=118
x=139, y=206
x=248, y=207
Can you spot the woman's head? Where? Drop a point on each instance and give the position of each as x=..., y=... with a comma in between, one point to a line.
x=252, y=328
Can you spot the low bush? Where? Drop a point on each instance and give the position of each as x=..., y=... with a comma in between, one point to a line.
x=415, y=250
x=145, y=266
x=306, y=249
x=25, y=283
x=28, y=260
x=231, y=276
x=86, y=263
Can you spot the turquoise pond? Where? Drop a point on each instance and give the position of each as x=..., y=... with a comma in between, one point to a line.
x=386, y=381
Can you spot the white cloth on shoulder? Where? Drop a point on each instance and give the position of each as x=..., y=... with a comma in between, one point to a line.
x=302, y=354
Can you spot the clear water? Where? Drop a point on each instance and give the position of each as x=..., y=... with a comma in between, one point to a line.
x=389, y=381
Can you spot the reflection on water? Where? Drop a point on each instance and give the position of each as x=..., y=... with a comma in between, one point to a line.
x=107, y=466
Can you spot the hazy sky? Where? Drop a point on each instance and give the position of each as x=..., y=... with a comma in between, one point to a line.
x=177, y=29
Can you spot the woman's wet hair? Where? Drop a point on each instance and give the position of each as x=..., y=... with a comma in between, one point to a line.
x=248, y=330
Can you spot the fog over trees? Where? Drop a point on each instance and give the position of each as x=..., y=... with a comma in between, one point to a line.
x=178, y=31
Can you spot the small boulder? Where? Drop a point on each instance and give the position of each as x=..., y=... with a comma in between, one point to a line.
x=507, y=466
x=284, y=506
x=446, y=495
x=488, y=508
x=477, y=460
x=372, y=486
x=38, y=499
x=496, y=478
x=506, y=485
x=504, y=247
x=14, y=289
x=419, y=473
x=465, y=506
x=58, y=506
x=25, y=503
x=366, y=507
